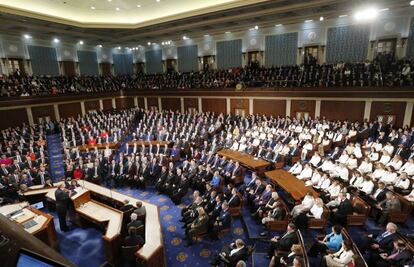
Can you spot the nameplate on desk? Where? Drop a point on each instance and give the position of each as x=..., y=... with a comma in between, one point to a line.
x=255, y=158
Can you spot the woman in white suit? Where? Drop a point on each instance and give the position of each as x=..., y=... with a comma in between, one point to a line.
x=341, y=258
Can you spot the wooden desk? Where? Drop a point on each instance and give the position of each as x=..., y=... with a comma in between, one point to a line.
x=147, y=143
x=152, y=253
x=290, y=184
x=244, y=159
x=44, y=229
x=99, y=146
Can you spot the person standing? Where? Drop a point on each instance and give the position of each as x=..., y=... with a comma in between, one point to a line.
x=62, y=196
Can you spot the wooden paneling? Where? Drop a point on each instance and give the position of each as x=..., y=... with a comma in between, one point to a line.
x=69, y=68
x=43, y=111
x=412, y=117
x=105, y=68
x=190, y=103
x=217, y=105
x=269, y=107
x=124, y=103
x=388, y=108
x=107, y=103
x=302, y=106
x=239, y=104
x=343, y=110
x=141, y=102
x=92, y=105
x=13, y=117
x=70, y=110
x=152, y=102
x=173, y=104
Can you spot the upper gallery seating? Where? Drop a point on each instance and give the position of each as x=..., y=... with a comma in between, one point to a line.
x=384, y=70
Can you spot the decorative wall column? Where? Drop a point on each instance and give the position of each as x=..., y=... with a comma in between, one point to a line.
x=145, y=103
x=136, y=101
x=317, y=108
x=288, y=104
x=29, y=115
x=200, y=105
x=228, y=103
x=83, y=108
x=56, y=109
x=408, y=113
x=251, y=106
x=101, y=104
x=182, y=104
x=367, y=110
x=113, y=103
x=159, y=104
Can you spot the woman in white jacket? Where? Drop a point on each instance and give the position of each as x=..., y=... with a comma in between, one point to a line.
x=341, y=258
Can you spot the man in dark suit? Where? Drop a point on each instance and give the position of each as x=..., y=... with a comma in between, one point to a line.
x=134, y=221
x=400, y=255
x=133, y=239
x=126, y=207
x=62, y=196
x=232, y=254
x=382, y=242
x=223, y=221
x=283, y=242
x=198, y=226
x=344, y=209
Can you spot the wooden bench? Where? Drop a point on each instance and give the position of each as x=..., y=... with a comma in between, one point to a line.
x=280, y=225
x=401, y=217
x=322, y=222
x=355, y=249
x=361, y=212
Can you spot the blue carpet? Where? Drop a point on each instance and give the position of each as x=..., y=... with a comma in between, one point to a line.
x=82, y=246
x=55, y=149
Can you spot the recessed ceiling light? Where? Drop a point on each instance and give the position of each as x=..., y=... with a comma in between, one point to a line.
x=138, y=5
x=256, y=27
x=149, y=43
x=109, y=0
x=227, y=32
x=117, y=9
x=321, y=18
x=366, y=14
x=92, y=7
x=206, y=35
x=56, y=40
x=185, y=37
x=412, y=3
x=100, y=45
x=81, y=42
x=162, y=43
x=118, y=47
x=384, y=9
x=158, y=1
x=26, y=36
x=343, y=16
x=278, y=25
x=308, y=20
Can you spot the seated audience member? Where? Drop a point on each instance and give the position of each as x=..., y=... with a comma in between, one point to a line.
x=316, y=211
x=331, y=242
x=232, y=254
x=223, y=221
x=400, y=255
x=341, y=258
x=133, y=239
x=380, y=243
x=234, y=200
x=283, y=242
x=287, y=260
x=390, y=204
x=344, y=209
x=140, y=210
x=198, y=226
x=305, y=206
x=278, y=213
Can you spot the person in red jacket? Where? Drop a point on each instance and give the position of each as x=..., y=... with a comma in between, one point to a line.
x=92, y=141
x=78, y=173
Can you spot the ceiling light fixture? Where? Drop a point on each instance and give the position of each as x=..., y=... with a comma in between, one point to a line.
x=158, y=1
x=109, y=0
x=138, y=6
x=227, y=32
x=383, y=9
x=92, y=7
x=149, y=43
x=366, y=14
x=117, y=9
x=278, y=25
x=343, y=16
x=185, y=37
x=56, y=40
x=308, y=20
x=81, y=42
x=256, y=27
x=321, y=18
x=118, y=47
x=206, y=35
x=412, y=3
x=100, y=46
x=26, y=36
